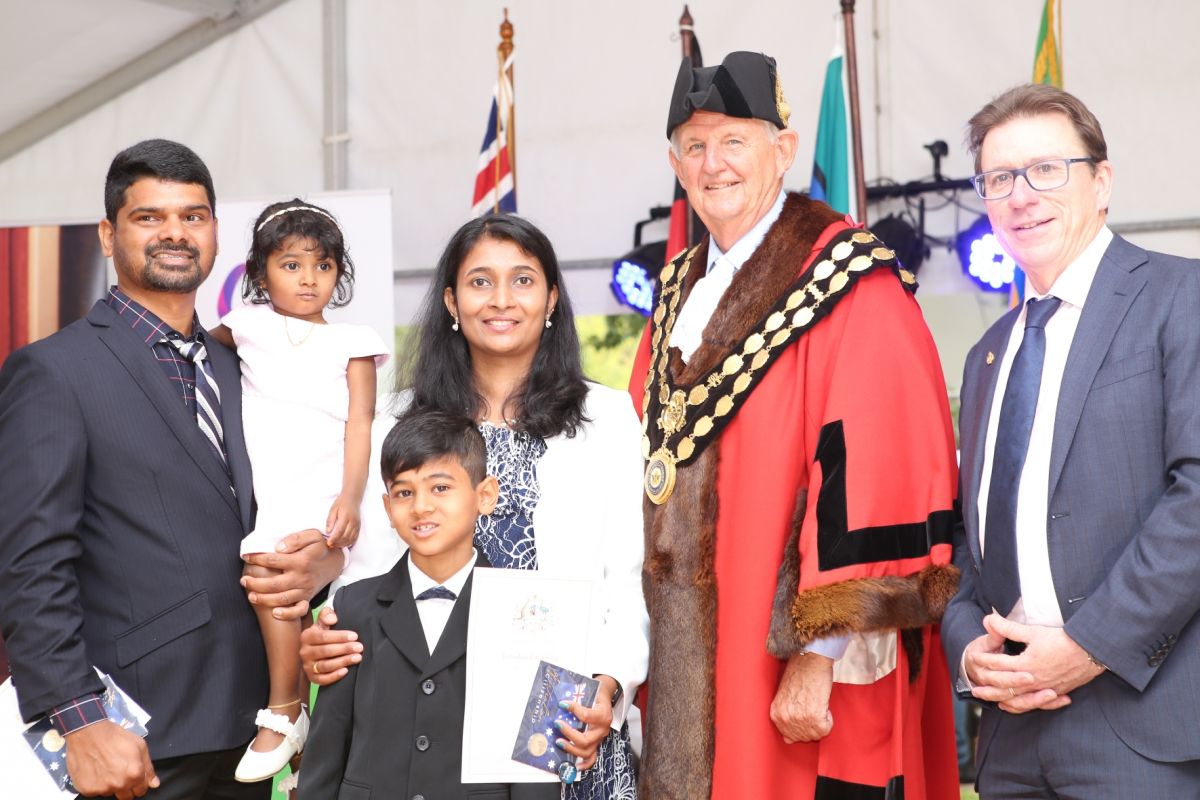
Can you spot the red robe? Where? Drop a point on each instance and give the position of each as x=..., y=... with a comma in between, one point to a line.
x=797, y=554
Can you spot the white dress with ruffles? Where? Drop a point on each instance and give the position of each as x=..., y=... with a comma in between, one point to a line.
x=295, y=402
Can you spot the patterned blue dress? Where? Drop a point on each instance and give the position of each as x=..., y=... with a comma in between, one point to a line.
x=506, y=538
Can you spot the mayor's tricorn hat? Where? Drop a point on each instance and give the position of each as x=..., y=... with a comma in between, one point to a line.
x=744, y=85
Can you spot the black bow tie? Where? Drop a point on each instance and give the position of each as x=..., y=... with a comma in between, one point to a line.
x=437, y=593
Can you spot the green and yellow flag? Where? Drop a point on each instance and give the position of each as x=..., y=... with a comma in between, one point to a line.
x=1047, y=65
x=1047, y=68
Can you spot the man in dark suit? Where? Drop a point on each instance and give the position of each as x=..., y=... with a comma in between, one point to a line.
x=124, y=492
x=1080, y=486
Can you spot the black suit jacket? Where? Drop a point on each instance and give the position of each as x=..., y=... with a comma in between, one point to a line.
x=393, y=726
x=119, y=537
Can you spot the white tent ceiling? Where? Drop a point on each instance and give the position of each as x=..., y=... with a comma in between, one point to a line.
x=63, y=58
x=592, y=86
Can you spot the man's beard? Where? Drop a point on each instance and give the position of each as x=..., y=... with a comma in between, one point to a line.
x=179, y=279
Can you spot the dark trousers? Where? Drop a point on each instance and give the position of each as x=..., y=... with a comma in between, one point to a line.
x=1072, y=754
x=205, y=776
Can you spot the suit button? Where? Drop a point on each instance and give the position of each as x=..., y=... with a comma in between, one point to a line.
x=422, y=743
x=1154, y=660
x=428, y=686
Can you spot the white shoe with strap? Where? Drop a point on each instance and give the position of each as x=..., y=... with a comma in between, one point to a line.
x=256, y=766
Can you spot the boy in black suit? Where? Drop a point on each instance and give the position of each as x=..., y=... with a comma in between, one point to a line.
x=393, y=726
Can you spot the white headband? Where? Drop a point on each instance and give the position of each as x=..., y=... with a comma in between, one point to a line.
x=289, y=209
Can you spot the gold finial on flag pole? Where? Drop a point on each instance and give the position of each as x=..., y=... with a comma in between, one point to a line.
x=505, y=78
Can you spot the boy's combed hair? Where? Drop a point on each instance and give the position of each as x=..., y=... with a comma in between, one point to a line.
x=154, y=158
x=423, y=435
x=280, y=221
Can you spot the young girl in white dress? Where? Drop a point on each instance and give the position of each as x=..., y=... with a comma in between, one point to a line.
x=308, y=399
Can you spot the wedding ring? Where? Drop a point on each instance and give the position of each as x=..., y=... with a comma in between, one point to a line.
x=1011, y=692
x=317, y=669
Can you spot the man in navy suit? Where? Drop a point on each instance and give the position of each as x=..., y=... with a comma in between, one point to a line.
x=1080, y=484
x=124, y=492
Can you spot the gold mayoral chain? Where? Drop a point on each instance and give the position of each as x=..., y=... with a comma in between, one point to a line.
x=687, y=419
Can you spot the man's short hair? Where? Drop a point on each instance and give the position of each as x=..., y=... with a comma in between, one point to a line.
x=1031, y=100
x=154, y=158
x=421, y=435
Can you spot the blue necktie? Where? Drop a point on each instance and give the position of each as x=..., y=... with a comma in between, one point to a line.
x=437, y=593
x=1001, y=577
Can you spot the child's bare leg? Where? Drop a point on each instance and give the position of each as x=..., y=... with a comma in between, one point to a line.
x=282, y=641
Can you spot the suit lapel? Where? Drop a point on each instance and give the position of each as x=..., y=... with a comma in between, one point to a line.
x=400, y=621
x=138, y=359
x=985, y=373
x=453, y=643
x=1113, y=291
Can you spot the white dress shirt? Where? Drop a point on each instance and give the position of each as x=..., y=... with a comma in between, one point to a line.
x=702, y=300
x=435, y=612
x=698, y=309
x=1039, y=602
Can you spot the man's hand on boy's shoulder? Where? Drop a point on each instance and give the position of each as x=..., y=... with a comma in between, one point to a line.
x=302, y=564
x=326, y=653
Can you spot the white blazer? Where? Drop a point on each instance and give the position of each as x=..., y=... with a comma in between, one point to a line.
x=588, y=523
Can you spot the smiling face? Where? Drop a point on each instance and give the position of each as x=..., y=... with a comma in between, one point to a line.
x=300, y=279
x=434, y=509
x=1045, y=231
x=732, y=170
x=501, y=301
x=164, y=239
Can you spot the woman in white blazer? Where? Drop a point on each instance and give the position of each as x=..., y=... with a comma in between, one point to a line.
x=497, y=343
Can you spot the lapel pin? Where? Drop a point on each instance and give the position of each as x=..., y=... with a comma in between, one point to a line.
x=990, y=357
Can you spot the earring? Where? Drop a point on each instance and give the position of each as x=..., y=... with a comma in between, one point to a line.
x=548, y=322
x=454, y=327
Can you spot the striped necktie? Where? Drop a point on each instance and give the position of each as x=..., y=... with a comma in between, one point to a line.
x=208, y=396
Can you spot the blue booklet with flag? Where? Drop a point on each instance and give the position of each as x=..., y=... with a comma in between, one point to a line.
x=535, y=739
x=51, y=747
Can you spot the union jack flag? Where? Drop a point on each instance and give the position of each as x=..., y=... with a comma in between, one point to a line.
x=496, y=182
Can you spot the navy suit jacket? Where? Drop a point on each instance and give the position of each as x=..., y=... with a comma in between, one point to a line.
x=1123, y=524
x=119, y=537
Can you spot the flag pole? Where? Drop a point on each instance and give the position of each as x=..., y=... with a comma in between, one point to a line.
x=503, y=51
x=860, y=183
x=1062, y=81
x=687, y=42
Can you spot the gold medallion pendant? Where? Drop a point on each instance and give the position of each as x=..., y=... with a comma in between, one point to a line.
x=660, y=476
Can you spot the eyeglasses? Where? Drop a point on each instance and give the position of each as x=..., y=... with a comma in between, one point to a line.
x=1042, y=176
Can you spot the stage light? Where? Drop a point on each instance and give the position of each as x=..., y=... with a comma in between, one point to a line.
x=903, y=239
x=634, y=280
x=982, y=257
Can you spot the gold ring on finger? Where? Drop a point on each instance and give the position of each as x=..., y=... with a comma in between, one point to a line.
x=1011, y=693
x=316, y=667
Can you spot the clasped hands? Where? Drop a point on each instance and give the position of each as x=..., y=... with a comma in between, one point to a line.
x=1040, y=678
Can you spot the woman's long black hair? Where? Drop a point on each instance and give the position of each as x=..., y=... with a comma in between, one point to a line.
x=550, y=402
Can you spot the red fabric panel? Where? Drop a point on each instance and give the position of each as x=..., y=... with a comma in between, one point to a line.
x=19, y=287
x=5, y=294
